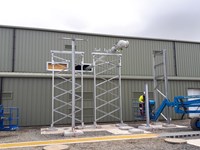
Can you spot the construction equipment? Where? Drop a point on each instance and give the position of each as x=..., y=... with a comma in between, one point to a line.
x=9, y=117
x=181, y=105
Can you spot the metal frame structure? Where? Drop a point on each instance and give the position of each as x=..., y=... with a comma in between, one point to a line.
x=66, y=102
x=160, y=78
x=107, y=90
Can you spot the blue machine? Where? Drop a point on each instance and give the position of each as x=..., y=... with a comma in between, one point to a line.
x=181, y=105
x=9, y=117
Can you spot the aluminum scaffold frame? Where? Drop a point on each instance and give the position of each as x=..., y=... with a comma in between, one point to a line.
x=107, y=88
x=66, y=102
x=160, y=78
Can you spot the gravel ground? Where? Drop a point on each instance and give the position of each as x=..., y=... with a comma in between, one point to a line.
x=33, y=134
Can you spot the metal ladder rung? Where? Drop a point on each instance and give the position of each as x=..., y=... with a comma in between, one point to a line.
x=158, y=65
x=159, y=77
x=157, y=52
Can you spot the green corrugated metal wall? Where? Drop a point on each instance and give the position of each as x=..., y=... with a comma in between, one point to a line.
x=32, y=50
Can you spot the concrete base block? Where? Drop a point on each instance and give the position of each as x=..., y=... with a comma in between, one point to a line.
x=73, y=133
x=125, y=127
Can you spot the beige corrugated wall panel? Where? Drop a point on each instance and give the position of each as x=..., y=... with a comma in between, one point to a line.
x=6, y=46
x=33, y=49
x=188, y=61
x=33, y=98
x=137, y=60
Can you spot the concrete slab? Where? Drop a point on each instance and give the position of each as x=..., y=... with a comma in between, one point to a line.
x=195, y=142
x=161, y=126
x=53, y=130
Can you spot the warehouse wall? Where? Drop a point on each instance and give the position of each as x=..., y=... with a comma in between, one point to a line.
x=25, y=50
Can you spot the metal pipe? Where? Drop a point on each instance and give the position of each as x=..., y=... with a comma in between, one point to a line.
x=49, y=75
x=52, y=61
x=94, y=74
x=73, y=84
x=1, y=90
x=120, y=91
x=147, y=105
x=175, y=61
x=13, y=50
x=166, y=83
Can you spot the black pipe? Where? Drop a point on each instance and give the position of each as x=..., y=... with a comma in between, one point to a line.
x=13, y=50
x=1, y=90
x=175, y=61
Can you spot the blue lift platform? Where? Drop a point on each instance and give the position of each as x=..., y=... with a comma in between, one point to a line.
x=181, y=105
x=9, y=117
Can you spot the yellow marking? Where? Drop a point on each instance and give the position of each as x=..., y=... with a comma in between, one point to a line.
x=75, y=140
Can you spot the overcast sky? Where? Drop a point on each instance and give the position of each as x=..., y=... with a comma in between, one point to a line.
x=167, y=19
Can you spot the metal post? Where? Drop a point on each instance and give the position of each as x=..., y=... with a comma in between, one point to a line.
x=52, y=62
x=73, y=84
x=95, y=105
x=166, y=83
x=147, y=104
x=82, y=62
x=155, y=83
x=120, y=91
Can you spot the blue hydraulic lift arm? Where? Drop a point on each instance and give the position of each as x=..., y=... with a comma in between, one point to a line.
x=180, y=104
x=154, y=115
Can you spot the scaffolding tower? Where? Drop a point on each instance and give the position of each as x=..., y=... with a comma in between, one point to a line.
x=67, y=90
x=160, y=78
x=107, y=86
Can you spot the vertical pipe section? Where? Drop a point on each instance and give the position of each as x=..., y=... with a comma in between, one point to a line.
x=166, y=82
x=120, y=91
x=52, y=62
x=175, y=61
x=82, y=63
x=94, y=94
x=1, y=90
x=155, y=94
x=147, y=104
x=73, y=84
x=13, y=50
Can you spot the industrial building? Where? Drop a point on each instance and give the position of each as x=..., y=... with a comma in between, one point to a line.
x=25, y=82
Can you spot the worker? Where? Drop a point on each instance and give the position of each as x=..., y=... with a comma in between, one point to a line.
x=142, y=104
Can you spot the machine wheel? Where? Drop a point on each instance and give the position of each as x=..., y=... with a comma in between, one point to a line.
x=193, y=123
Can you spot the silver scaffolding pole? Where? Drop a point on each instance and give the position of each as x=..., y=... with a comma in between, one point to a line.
x=107, y=90
x=67, y=93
